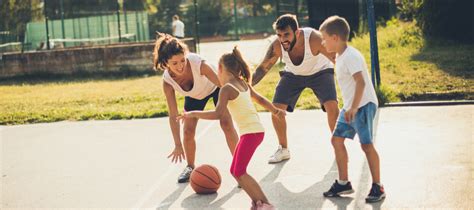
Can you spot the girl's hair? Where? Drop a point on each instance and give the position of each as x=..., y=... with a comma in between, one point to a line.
x=166, y=46
x=235, y=64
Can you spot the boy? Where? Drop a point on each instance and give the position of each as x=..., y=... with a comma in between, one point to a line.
x=360, y=106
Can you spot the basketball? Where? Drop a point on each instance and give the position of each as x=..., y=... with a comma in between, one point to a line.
x=205, y=179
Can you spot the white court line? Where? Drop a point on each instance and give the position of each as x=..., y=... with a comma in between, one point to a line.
x=157, y=184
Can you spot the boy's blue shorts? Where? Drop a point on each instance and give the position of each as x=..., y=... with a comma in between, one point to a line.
x=363, y=124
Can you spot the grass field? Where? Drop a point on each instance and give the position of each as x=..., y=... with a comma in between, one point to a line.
x=411, y=69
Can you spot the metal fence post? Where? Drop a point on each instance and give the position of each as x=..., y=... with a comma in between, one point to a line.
x=374, y=55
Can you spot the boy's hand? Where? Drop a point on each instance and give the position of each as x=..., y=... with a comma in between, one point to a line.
x=280, y=113
x=350, y=114
x=177, y=155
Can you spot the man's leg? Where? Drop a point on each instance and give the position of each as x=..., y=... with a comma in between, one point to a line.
x=280, y=126
x=332, y=111
x=287, y=93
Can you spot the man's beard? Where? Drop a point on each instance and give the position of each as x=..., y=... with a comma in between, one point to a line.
x=292, y=44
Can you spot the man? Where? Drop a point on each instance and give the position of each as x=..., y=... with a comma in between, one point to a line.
x=178, y=27
x=307, y=65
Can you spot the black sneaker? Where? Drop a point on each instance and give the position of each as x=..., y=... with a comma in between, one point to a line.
x=377, y=193
x=339, y=189
x=184, y=176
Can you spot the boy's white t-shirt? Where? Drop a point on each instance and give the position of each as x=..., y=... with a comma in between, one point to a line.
x=179, y=28
x=348, y=63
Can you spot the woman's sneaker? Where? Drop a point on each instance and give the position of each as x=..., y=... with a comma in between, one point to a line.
x=184, y=176
x=338, y=189
x=377, y=193
x=280, y=155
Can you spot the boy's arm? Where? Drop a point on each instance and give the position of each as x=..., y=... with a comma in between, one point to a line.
x=358, y=92
x=273, y=53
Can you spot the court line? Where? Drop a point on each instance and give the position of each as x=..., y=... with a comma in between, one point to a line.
x=157, y=184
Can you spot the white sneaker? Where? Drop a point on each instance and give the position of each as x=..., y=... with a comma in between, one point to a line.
x=280, y=155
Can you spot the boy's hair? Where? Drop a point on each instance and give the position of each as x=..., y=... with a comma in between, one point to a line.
x=175, y=17
x=166, y=46
x=336, y=25
x=235, y=64
x=284, y=21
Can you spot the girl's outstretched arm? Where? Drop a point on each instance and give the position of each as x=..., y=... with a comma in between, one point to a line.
x=226, y=93
x=266, y=103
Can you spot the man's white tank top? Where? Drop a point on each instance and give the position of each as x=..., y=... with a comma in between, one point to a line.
x=311, y=64
x=202, y=85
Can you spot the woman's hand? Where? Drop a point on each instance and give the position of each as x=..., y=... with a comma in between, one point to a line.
x=177, y=155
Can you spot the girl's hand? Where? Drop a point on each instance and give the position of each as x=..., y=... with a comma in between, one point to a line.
x=177, y=155
x=184, y=116
x=280, y=113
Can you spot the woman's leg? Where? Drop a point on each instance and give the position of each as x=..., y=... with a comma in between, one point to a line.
x=189, y=142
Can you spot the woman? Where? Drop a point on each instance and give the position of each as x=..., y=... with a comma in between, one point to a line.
x=188, y=74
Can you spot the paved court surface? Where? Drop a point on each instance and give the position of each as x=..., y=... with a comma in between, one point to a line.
x=426, y=159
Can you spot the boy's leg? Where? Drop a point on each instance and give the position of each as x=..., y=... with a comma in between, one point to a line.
x=341, y=157
x=342, y=131
x=373, y=160
x=363, y=124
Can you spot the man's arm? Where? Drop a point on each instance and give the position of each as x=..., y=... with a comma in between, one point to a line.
x=273, y=53
x=315, y=41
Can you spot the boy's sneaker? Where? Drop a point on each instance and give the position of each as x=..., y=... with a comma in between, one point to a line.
x=377, y=193
x=339, y=189
x=184, y=176
x=280, y=155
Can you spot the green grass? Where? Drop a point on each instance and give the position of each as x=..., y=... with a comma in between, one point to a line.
x=411, y=69
x=416, y=69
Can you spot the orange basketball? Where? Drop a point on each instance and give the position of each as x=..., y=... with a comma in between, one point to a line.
x=205, y=179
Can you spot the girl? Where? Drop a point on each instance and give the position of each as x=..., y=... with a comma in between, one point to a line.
x=236, y=96
x=188, y=74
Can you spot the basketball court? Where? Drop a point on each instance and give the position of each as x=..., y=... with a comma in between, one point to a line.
x=426, y=162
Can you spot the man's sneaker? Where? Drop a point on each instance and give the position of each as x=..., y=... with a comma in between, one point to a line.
x=280, y=155
x=377, y=193
x=339, y=189
x=184, y=176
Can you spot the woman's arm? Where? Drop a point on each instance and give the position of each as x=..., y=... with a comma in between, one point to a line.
x=207, y=71
x=178, y=153
x=172, y=112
